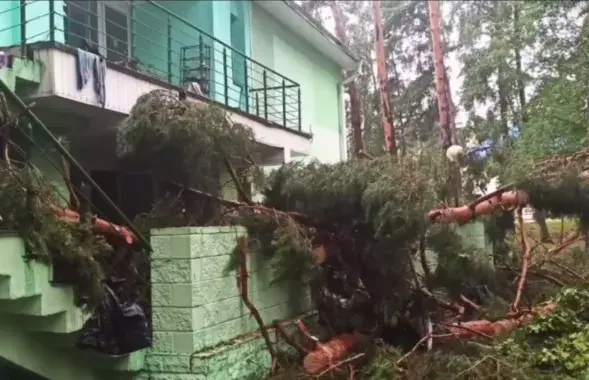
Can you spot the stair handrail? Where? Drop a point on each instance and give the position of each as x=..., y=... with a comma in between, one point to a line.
x=25, y=110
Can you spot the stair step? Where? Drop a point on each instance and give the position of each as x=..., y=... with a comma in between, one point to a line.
x=26, y=291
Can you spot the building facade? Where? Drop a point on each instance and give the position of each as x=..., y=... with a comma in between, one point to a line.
x=270, y=66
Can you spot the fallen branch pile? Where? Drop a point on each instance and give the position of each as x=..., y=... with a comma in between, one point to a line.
x=379, y=271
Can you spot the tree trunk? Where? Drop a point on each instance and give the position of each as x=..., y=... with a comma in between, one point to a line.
x=355, y=104
x=518, y=65
x=503, y=103
x=402, y=118
x=442, y=91
x=445, y=106
x=386, y=107
x=539, y=216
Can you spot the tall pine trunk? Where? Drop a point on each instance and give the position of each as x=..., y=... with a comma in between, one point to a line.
x=386, y=106
x=442, y=89
x=445, y=105
x=355, y=104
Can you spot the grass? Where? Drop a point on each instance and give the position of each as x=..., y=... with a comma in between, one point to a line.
x=558, y=229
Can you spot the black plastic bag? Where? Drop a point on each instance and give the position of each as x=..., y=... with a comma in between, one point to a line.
x=116, y=329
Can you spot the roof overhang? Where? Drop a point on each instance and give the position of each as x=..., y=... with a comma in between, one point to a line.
x=290, y=15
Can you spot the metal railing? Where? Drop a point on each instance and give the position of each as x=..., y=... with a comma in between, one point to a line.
x=153, y=38
x=129, y=264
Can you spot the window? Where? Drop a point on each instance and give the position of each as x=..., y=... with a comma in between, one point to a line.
x=238, y=43
x=105, y=24
x=81, y=23
x=116, y=27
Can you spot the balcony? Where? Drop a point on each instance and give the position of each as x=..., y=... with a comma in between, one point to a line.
x=154, y=39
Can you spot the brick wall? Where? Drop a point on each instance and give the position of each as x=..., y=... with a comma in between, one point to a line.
x=196, y=306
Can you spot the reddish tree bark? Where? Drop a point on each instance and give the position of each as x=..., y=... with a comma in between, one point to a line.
x=445, y=106
x=386, y=106
x=327, y=354
x=355, y=103
x=474, y=329
x=484, y=206
x=99, y=226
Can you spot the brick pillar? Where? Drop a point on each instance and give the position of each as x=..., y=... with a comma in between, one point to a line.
x=196, y=303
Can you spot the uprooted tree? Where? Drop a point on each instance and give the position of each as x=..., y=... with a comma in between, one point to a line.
x=362, y=235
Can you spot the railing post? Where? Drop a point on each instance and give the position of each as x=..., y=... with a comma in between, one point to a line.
x=52, y=20
x=299, y=109
x=257, y=104
x=264, y=83
x=246, y=89
x=225, y=76
x=169, y=50
x=23, y=27
x=201, y=58
x=131, y=53
x=283, y=103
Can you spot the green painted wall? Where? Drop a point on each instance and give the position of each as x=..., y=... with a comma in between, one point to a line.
x=150, y=26
x=277, y=47
x=37, y=14
x=160, y=51
x=200, y=323
x=38, y=322
x=9, y=19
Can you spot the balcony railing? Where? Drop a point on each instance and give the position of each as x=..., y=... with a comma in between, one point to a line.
x=155, y=39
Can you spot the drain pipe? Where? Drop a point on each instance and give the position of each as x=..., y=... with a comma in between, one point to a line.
x=342, y=110
x=70, y=159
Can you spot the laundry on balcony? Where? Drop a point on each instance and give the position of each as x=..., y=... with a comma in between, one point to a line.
x=6, y=60
x=87, y=65
x=194, y=87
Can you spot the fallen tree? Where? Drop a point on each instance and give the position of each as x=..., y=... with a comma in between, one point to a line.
x=358, y=232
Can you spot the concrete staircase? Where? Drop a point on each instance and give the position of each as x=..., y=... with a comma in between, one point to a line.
x=39, y=323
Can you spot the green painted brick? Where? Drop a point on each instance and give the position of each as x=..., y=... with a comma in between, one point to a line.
x=170, y=363
x=176, y=271
x=235, y=361
x=163, y=342
x=182, y=295
x=161, y=246
x=175, y=376
x=197, y=230
x=182, y=246
x=214, y=267
x=223, y=311
x=161, y=295
x=216, y=244
x=214, y=290
x=177, y=318
x=238, y=360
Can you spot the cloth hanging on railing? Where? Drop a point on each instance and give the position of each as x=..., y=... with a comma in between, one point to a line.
x=84, y=64
x=87, y=65
x=100, y=79
x=6, y=60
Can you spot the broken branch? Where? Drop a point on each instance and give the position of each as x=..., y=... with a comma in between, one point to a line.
x=242, y=250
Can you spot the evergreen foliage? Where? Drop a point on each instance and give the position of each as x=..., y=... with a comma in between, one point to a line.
x=181, y=140
x=27, y=207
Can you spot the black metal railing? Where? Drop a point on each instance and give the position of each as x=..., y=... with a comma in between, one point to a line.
x=29, y=145
x=153, y=38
